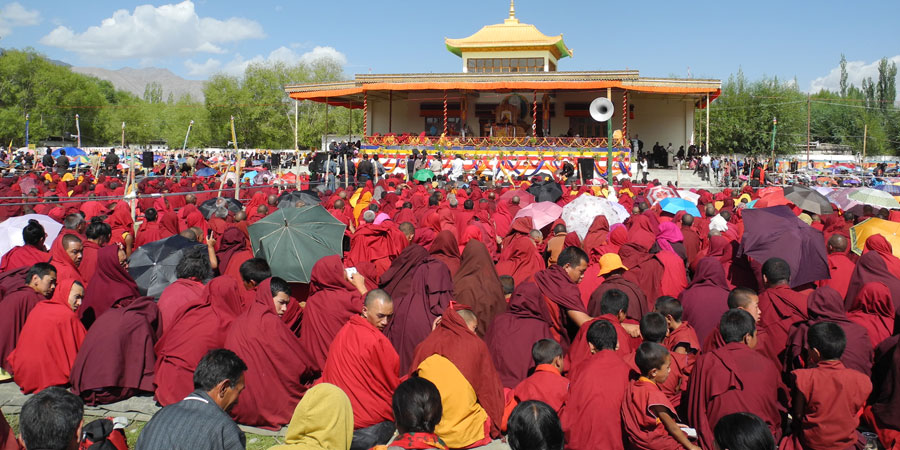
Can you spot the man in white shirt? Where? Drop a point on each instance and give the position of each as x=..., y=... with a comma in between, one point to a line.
x=705, y=160
x=456, y=168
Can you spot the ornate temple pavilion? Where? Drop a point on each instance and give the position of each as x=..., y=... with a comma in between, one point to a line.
x=510, y=102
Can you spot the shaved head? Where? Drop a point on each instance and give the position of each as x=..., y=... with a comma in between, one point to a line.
x=378, y=308
x=470, y=318
x=837, y=244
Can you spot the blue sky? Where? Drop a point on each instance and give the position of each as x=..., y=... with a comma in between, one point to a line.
x=706, y=39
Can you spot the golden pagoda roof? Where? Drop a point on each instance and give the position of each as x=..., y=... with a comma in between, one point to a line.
x=510, y=34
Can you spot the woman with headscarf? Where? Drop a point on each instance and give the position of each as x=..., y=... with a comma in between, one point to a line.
x=322, y=420
x=874, y=311
x=49, y=340
x=824, y=305
x=197, y=328
x=333, y=299
x=477, y=285
x=263, y=341
x=446, y=249
x=116, y=359
x=110, y=284
x=706, y=298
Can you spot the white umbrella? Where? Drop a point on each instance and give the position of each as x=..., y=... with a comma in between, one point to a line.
x=580, y=213
x=689, y=196
x=11, y=231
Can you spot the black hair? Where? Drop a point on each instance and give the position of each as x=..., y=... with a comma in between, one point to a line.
x=150, y=214
x=739, y=297
x=194, y=264
x=572, y=256
x=434, y=200
x=68, y=239
x=545, y=351
x=50, y=419
x=417, y=406
x=828, y=338
x=669, y=306
x=534, y=425
x=33, y=233
x=735, y=324
x=508, y=283
x=654, y=327
x=277, y=285
x=97, y=229
x=743, y=431
x=216, y=366
x=613, y=301
x=602, y=335
x=255, y=270
x=649, y=356
x=776, y=270
x=468, y=204
x=40, y=269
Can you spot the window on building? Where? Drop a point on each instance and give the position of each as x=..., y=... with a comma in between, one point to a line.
x=505, y=65
x=434, y=126
x=587, y=127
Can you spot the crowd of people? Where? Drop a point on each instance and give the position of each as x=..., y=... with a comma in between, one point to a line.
x=448, y=321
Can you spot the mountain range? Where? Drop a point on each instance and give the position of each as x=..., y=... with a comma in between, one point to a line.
x=136, y=80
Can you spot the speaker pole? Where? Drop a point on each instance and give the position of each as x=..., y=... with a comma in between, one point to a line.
x=609, y=140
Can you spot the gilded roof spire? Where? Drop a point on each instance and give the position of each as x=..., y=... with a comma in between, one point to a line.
x=512, y=13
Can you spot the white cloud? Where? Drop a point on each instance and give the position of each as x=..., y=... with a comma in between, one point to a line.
x=856, y=72
x=14, y=15
x=238, y=64
x=151, y=32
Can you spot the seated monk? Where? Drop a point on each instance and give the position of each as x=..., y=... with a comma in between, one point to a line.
x=22, y=289
x=110, y=284
x=612, y=309
x=779, y=308
x=186, y=290
x=559, y=288
x=738, y=298
x=456, y=360
x=116, y=359
x=29, y=254
x=261, y=339
x=253, y=272
x=654, y=329
x=591, y=417
x=546, y=384
x=512, y=334
x=733, y=378
x=333, y=300
x=477, y=285
x=196, y=329
x=612, y=270
x=49, y=340
x=839, y=265
x=98, y=234
x=363, y=363
x=65, y=254
x=149, y=230
x=421, y=288
x=233, y=251
x=883, y=410
x=378, y=244
x=519, y=257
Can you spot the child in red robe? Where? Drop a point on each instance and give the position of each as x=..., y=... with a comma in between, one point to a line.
x=546, y=383
x=654, y=329
x=648, y=417
x=682, y=340
x=828, y=397
x=613, y=307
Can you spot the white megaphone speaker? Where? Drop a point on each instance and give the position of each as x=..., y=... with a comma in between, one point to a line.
x=601, y=109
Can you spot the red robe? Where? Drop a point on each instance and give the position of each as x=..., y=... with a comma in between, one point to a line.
x=48, y=343
x=779, y=308
x=841, y=269
x=366, y=367
x=835, y=396
x=637, y=301
x=672, y=387
x=268, y=347
x=545, y=384
x=591, y=417
x=376, y=244
x=730, y=379
x=175, y=297
x=16, y=303
x=642, y=428
x=88, y=259
x=149, y=232
x=580, y=351
x=65, y=267
x=874, y=311
x=332, y=302
x=23, y=256
x=7, y=437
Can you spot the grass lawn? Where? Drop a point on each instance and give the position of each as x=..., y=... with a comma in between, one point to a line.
x=254, y=442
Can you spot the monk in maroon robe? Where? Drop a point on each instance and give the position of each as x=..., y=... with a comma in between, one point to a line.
x=477, y=285
x=333, y=299
x=612, y=309
x=591, y=417
x=780, y=307
x=874, y=311
x=262, y=340
x=706, y=298
x=883, y=412
x=559, y=287
x=445, y=248
x=872, y=268
x=733, y=378
x=29, y=254
x=421, y=288
x=692, y=242
x=110, y=284
x=613, y=271
x=644, y=269
x=840, y=267
x=376, y=244
x=20, y=291
x=65, y=254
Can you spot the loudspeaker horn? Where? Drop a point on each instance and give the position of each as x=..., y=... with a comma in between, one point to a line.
x=601, y=109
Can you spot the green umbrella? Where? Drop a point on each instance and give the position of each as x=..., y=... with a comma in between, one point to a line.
x=292, y=240
x=423, y=175
x=874, y=197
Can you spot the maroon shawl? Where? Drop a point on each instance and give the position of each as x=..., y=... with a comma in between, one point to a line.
x=445, y=248
x=644, y=269
x=706, y=298
x=871, y=268
x=117, y=354
x=637, y=301
x=453, y=340
x=233, y=240
x=596, y=234
x=874, y=311
x=110, y=284
x=477, y=285
x=17, y=299
x=512, y=334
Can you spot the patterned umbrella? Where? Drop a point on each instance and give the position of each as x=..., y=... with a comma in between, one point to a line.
x=657, y=193
x=874, y=197
x=580, y=213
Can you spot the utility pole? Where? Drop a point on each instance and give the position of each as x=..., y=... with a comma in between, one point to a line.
x=808, y=103
x=774, y=127
x=26, y=131
x=865, y=138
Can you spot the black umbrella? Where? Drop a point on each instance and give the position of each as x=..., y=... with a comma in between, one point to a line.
x=775, y=232
x=548, y=191
x=808, y=200
x=152, y=265
x=290, y=199
x=208, y=207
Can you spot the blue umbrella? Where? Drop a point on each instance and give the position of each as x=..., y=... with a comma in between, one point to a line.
x=206, y=172
x=70, y=151
x=674, y=205
x=889, y=188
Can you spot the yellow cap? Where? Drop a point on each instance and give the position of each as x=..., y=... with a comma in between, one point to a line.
x=610, y=262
